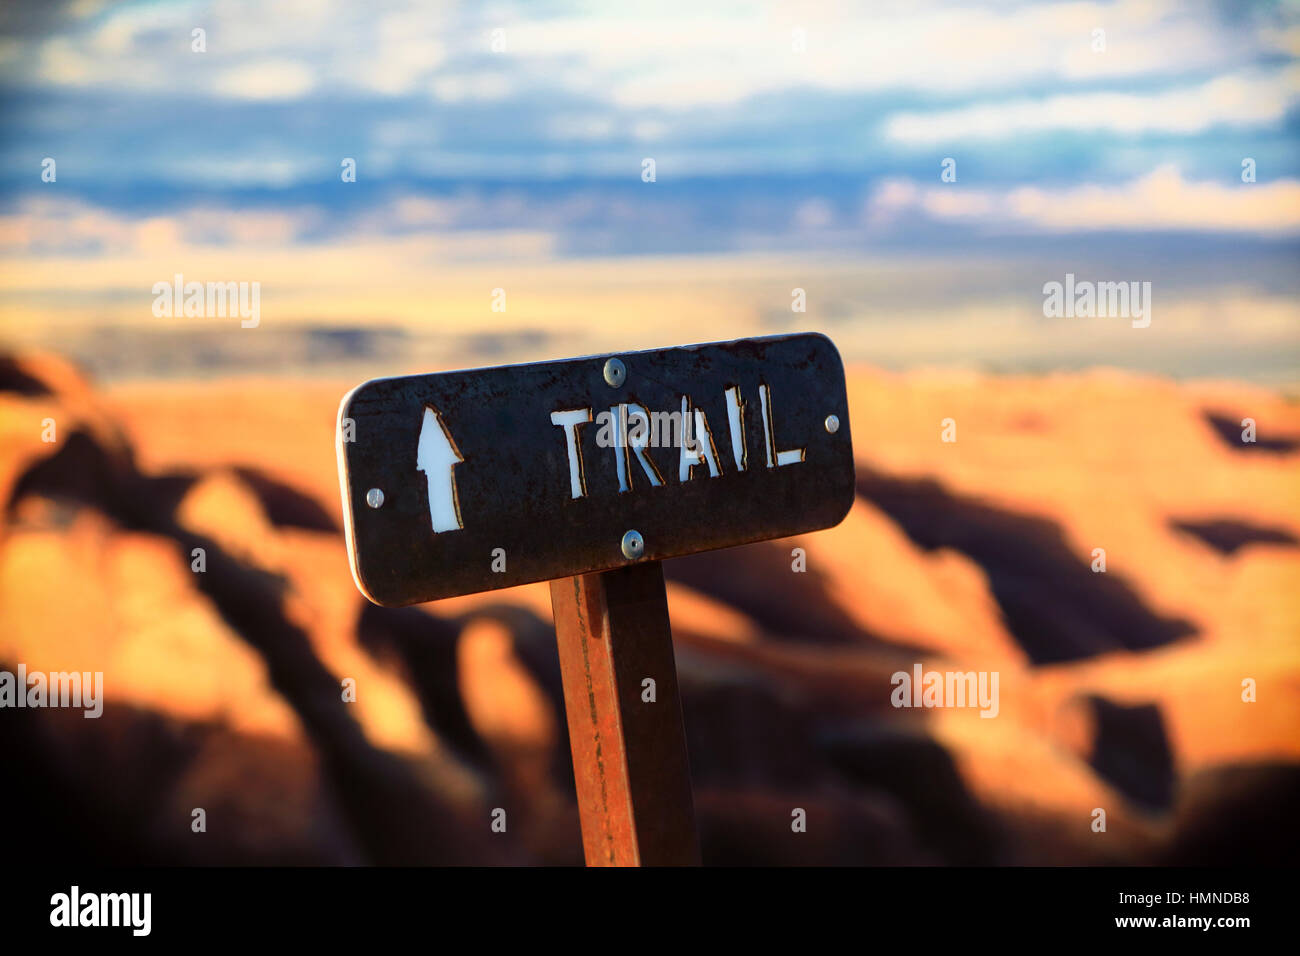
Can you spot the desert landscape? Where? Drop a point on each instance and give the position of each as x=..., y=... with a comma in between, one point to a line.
x=1120, y=690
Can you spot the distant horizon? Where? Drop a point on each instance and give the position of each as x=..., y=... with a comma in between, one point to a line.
x=1213, y=317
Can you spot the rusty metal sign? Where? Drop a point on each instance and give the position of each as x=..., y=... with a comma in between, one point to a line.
x=473, y=480
x=586, y=473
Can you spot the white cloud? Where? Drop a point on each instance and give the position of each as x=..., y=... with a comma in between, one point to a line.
x=478, y=85
x=62, y=65
x=52, y=225
x=566, y=126
x=1161, y=200
x=267, y=80
x=408, y=53
x=1238, y=99
x=671, y=55
x=685, y=57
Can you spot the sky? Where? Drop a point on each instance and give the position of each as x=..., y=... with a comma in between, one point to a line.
x=1102, y=136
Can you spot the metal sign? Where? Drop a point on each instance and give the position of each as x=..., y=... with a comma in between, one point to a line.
x=585, y=473
x=468, y=481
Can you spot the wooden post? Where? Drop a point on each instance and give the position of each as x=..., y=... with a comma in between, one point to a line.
x=629, y=755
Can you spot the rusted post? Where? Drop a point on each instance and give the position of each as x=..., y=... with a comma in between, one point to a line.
x=629, y=754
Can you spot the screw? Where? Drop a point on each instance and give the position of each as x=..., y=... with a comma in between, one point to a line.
x=375, y=498
x=633, y=545
x=832, y=423
x=615, y=372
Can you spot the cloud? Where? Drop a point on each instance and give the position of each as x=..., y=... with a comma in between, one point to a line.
x=254, y=51
x=474, y=85
x=713, y=91
x=409, y=53
x=1238, y=99
x=45, y=226
x=673, y=55
x=1161, y=200
x=268, y=80
x=683, y=56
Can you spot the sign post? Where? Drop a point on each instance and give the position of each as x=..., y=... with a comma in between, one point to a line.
x=628, y=742
x=587, y=473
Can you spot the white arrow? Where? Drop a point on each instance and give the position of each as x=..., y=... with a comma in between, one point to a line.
x=436, y=457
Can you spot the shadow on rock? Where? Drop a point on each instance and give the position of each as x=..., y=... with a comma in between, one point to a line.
x=1052, y=602
x=396, y=816
x=1229, y=429
x=1229, y=535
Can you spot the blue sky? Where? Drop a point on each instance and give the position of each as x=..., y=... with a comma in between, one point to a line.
x=798, y=120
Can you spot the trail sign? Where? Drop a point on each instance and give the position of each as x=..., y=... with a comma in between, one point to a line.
x=468, y=481
x=585, y=473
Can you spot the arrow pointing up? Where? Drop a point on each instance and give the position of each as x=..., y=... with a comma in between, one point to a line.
x=436, y=456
